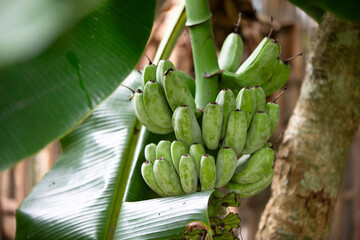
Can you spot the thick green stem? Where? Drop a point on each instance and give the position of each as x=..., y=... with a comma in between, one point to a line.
x=203, y=49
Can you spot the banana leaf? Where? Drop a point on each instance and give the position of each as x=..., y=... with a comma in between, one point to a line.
x=95, y=189
x=58, y=61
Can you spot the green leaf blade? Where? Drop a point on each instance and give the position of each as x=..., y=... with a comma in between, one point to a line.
x=162, y=218
x=45, y=97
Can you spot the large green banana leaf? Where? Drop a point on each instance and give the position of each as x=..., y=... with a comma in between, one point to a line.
x=95, y=189
x=345, y=9
x=44, y=97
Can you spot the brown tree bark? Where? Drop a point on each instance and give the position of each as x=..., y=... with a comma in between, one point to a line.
x=312, y=155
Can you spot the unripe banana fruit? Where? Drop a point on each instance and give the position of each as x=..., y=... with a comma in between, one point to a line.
x=273, y=112
x=143, y=117
x=162, y=67
x=226, y=99
x=150, y=152
x=176, y=91
x=149, y=73
x=148, y=176
x=156, y=105
x=186, y=126
x=249, y=190
x=257, y=134
x=207, y=172
x=178, y=148
x=166, y=177
x=236, y=131
x=231, y=53
x=278, y=79
x=256, y=167
x=246, y=102
x=225, y=166
x=163, y=150
x=212, y=124
x=196, y=151
x=260, y=98
x=188, y=175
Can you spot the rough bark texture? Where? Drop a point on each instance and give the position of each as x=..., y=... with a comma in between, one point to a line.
x=311, y=158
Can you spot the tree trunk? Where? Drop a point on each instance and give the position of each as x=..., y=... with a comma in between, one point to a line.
x=312, y=155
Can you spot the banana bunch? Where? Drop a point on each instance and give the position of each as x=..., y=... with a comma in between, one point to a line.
x=231, y=126
x=262, y=68
x=253, y=173
x=173, y=168
x=164, y=89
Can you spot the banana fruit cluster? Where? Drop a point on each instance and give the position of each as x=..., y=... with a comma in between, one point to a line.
x=164, y=89
x=262, y=68
x=224, y=144
x=173, y=168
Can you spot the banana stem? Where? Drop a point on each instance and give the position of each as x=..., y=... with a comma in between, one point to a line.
x=203, y=49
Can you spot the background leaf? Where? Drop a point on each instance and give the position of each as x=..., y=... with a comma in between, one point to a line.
x=45, y=97
x=81, y=196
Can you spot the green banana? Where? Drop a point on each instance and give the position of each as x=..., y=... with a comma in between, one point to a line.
x=166, y=177
x=249, y=190
x=178, y=148
x=226, y=99
x=188, y=175
x=207, y=172
x=156, y=105
x=163, y=150
x=261, y=68
x=150, y=152
x=190, y=82
x=148, y=176
x=149, y=73
x=143, y=117
x=256, y=167
x=186, y=126
x=260, y=98
x=257, y=134
x=246, y=102
x=162, y=67
x=273, y=112
x=278, y=79
x=225, y=166
x=196, y=151
x=236, y=131
x=212, y=124
x=231, y=53
x=176, y=91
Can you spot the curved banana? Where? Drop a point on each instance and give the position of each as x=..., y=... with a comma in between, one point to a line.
x=186, y=126
x=273, y=112
x=162, y=67
x=246, y=102
x=236, y=131
x=149, y=73
x=212, y=124
x=257, y=134
x=196, y=151
x=231, y=53
x=278, y=79
x=163, y=150
x=148, y=176
x=166, y=177
x=225, y=166
x=143, y=117
x=256, y=167
x=207, y=172
x=260, y=98
x=188, y=175
x=156, y=105
x=150, y=152
x=249, y=190
x=178, y=148
x=226, y=99
x=176, y=91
